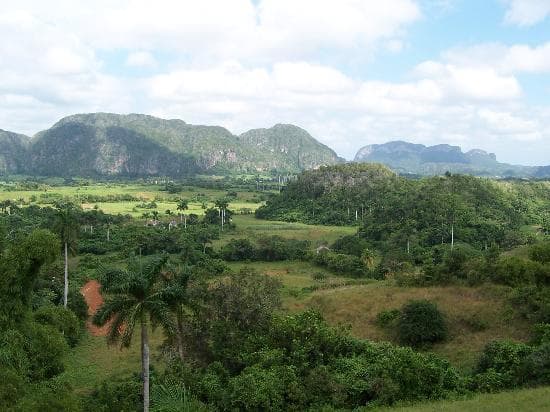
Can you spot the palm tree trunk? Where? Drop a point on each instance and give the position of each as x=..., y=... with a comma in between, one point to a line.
x=66, y=287
x=145, y=363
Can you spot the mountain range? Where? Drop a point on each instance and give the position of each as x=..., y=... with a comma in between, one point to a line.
x=107, y=144
x=418, y=159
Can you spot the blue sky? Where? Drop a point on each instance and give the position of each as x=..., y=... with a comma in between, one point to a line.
x=351, y=72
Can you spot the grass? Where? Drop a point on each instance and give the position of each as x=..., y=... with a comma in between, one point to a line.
x=146, y=192
x=92, y=360
x=250, y=227
x=475, y=316
x=525, y=400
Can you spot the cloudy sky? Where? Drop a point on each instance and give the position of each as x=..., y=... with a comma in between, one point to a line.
x=352, y=72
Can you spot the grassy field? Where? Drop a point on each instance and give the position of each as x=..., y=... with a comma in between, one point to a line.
x=144, y=192
x=250, y=227
x=526, y=400
x=475, y=316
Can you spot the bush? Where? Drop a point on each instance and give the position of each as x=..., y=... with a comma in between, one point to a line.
x=502, y=365
x=116, y=395
x=515, y=271
x=238, y=250
x=540, y=252
x=64, y=320
x=387, y=317
x=421, y=323
x=50, y=396
x=45, y=347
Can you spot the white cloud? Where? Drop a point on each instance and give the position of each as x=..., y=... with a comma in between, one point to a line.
x=463, y=82
x=518, y=58
x=527, y=12
x=141, y=59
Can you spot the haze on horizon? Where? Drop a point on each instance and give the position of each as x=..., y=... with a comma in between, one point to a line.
x=352, y=73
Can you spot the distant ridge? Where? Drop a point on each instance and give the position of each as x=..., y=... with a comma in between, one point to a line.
x=139, y=145
x=418, y=159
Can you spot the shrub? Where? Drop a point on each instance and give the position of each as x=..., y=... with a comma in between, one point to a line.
x=45, y=347
x=319, y=276
x=421, y=323
x=504, y=358
x=515, y=271
x=116, y=394
x=540, y=252
x=238, y=250
x=49, y=396
x=387, y=317
x=64, y=320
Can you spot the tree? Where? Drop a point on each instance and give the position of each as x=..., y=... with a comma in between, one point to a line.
x=175, y=296
x=136, y=296
x=222, y=205
x=67, y=228
x=182, y=207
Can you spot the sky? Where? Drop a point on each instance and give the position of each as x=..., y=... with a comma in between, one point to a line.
x=473, y=73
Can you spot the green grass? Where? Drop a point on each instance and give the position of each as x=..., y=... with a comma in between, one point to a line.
x=92, y=360
x=525, y=400
x=250, y=227
x=147, y=192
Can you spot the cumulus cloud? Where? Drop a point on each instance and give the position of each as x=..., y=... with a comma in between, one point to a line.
x=527, y=12
x=245, y=64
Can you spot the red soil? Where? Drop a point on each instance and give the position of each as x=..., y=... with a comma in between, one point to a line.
x=93, y=298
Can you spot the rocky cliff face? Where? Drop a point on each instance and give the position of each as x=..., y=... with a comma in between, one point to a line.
x=13, y=152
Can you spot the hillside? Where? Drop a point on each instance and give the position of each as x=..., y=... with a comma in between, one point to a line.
x=409, y=158
x=141, y=145
x=389, y=207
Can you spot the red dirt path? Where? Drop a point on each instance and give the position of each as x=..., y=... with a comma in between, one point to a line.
x=93, y=298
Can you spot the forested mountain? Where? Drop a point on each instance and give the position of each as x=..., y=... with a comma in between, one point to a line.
x=288, y=145
x=141, y=145
x=409, y=158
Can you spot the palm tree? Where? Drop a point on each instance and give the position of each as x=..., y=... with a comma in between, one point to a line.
x=175, y=296
x=222, y=205
x=67, y=228
x=136, y=296
x=182, y=207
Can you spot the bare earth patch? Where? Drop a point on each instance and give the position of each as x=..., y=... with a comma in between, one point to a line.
x=92, y=295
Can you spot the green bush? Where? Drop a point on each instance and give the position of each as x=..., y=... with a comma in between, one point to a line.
x=421, y=323
x=116, y=395
x=540, y=252
x=45, y=348
x=387, y=317
x=503, y=362
x=49, y=397
x=64, y=320
x=515, y=271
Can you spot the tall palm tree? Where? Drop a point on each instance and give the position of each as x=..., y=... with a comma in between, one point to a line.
x=136, y=296
x=67, y=228
x=182, y=207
